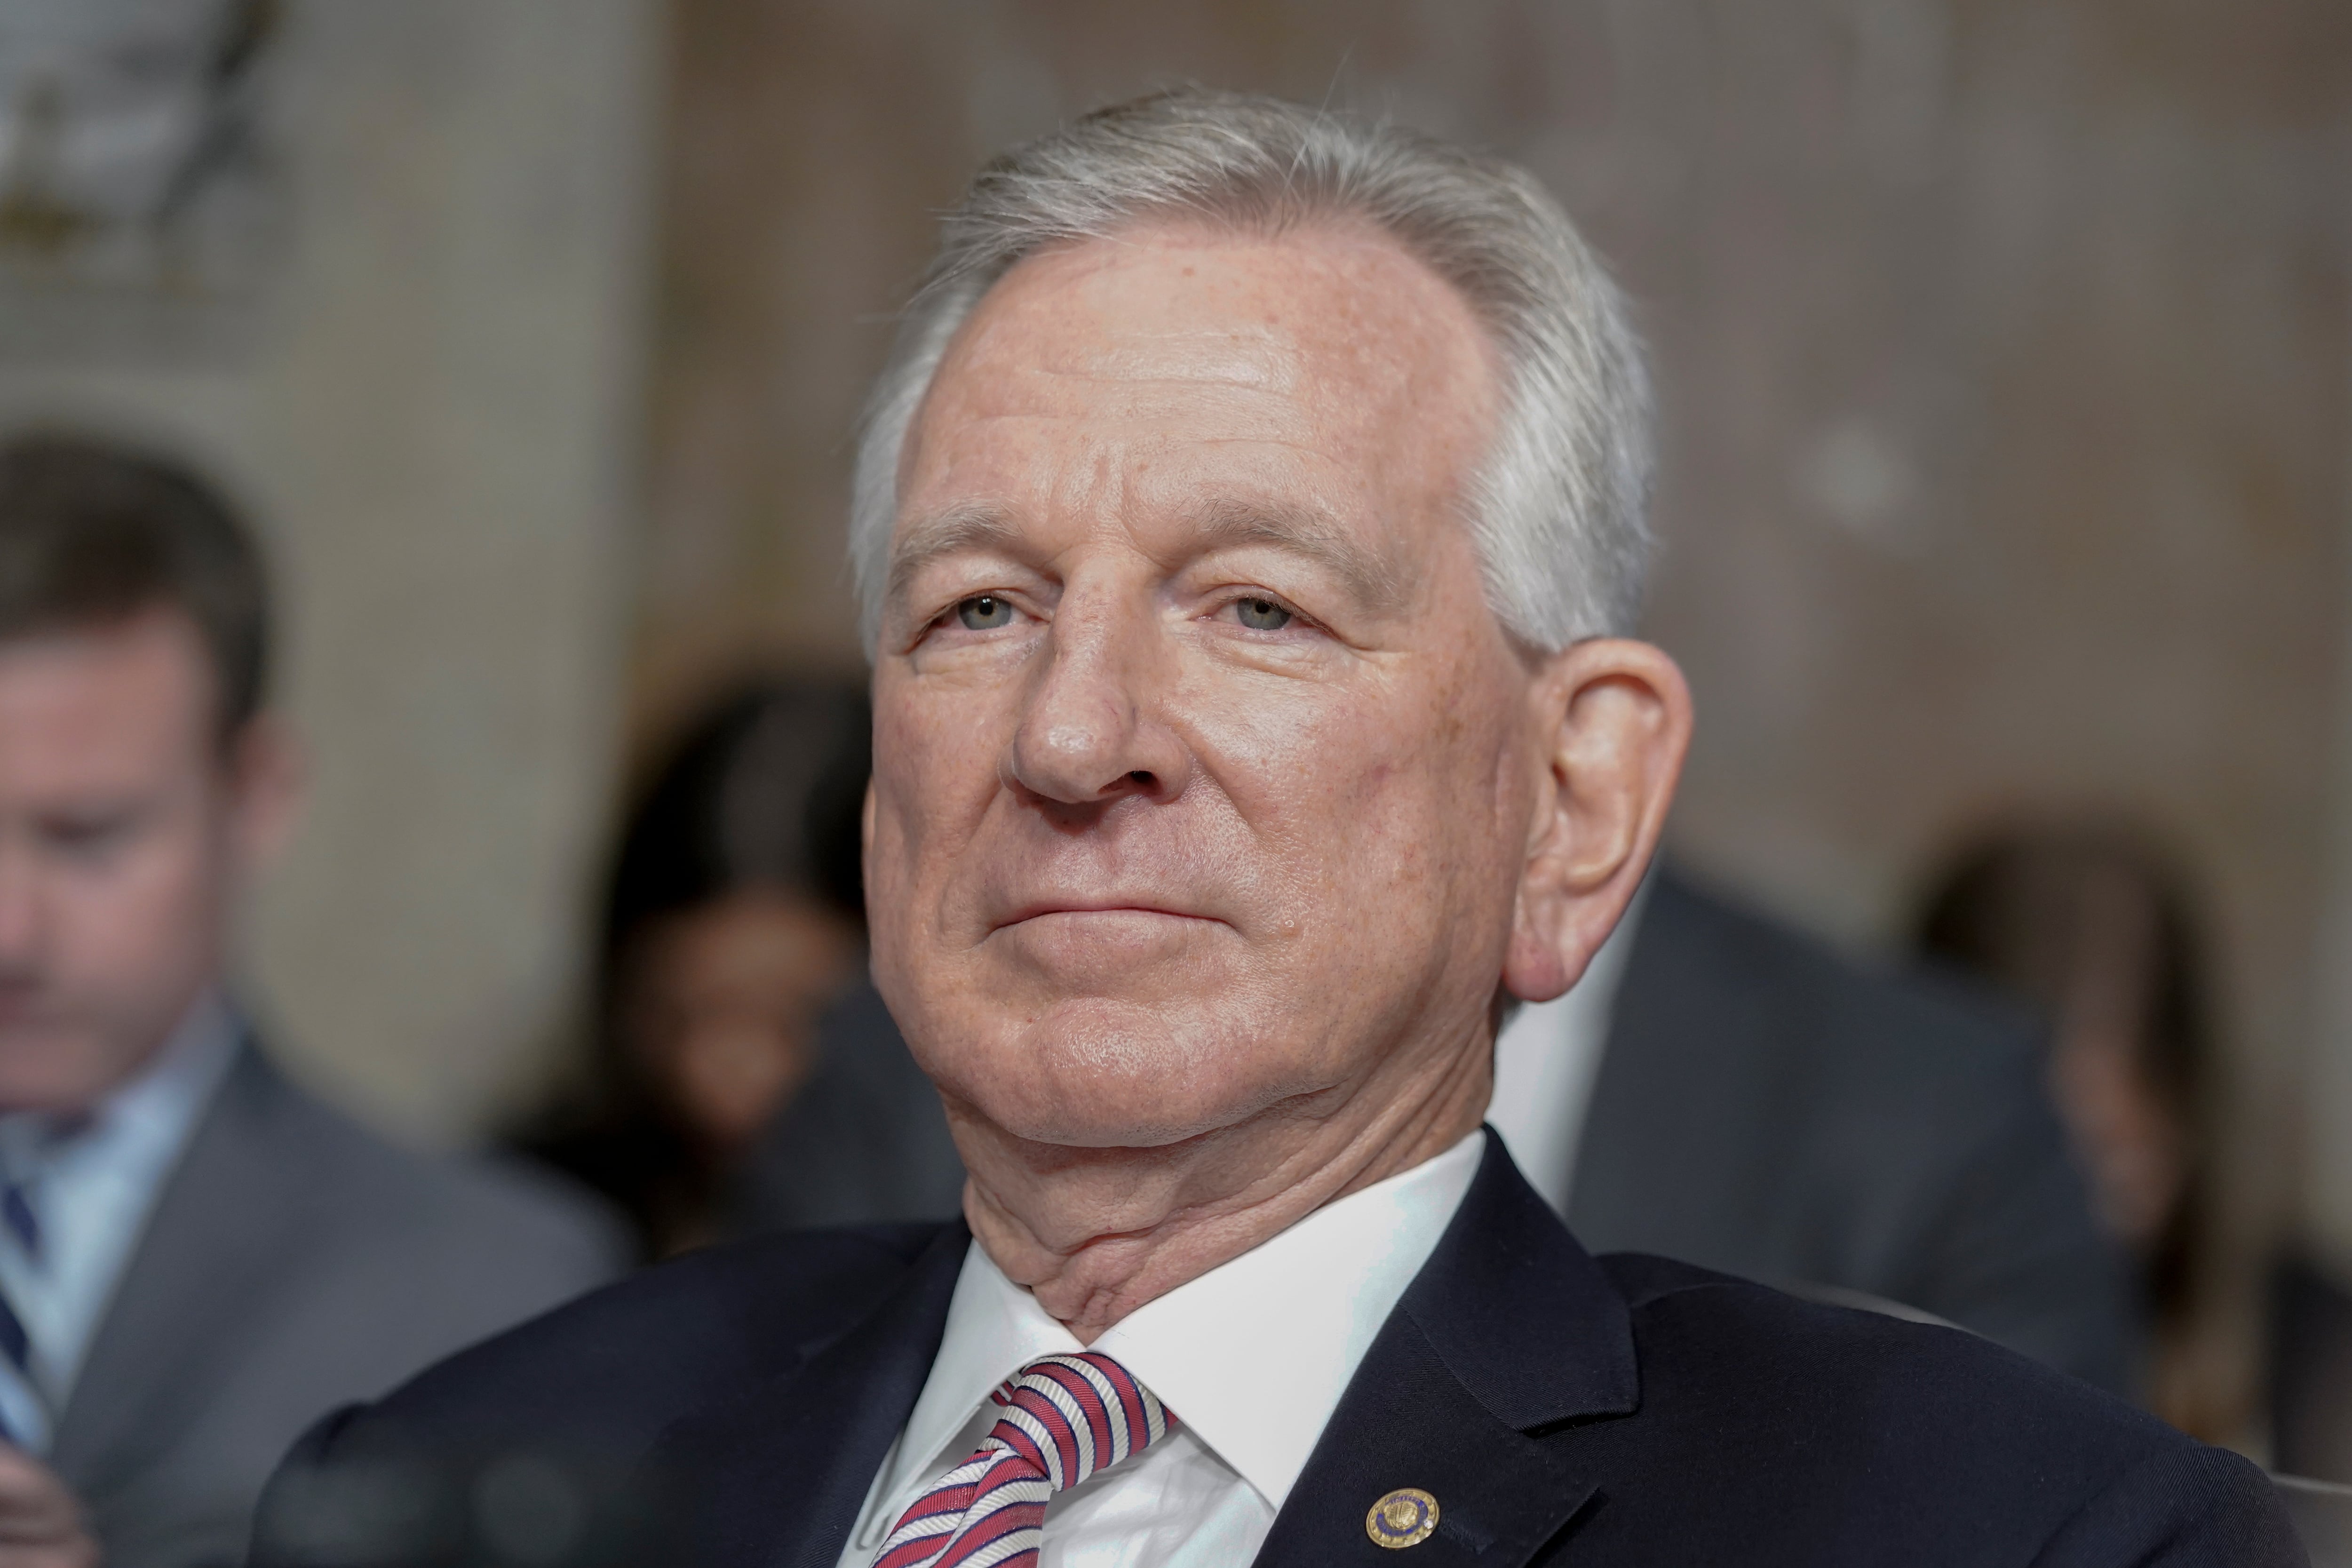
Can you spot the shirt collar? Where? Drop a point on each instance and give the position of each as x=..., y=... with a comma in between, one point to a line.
x=1252, y=1357
x=166, y=1098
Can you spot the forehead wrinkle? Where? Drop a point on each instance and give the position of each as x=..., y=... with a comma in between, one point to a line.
x=1145, y=387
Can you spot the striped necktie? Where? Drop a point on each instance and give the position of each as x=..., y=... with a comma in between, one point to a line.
x=15, y=1343
x=1066, y=1417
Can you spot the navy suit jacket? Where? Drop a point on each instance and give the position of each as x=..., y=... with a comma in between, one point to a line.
x=732, y=1408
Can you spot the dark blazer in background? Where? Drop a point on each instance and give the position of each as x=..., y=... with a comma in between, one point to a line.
x=1772, y=1110
x=864, y=1141
x=293, y=1262
x=1629, y=1411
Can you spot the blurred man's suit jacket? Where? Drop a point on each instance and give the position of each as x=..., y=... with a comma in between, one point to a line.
x=730, y=1409
x=863, y=1143
x=1768, y=1109
x=1762, y=1107
x=293, y=1262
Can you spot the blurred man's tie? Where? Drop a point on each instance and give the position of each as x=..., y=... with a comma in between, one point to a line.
x=26, y=1416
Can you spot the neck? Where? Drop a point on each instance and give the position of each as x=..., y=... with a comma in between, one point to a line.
x=1095, y=1233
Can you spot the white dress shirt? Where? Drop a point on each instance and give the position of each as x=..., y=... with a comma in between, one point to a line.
x=1252, y=1357
x=1546, y=1059
x=92, y=1181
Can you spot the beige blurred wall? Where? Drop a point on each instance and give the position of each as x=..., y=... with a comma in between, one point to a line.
x=436, y=419
x=2003, y=352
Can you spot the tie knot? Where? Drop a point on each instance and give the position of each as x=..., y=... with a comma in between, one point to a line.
x=1074, y=1415
x=1063, y=1418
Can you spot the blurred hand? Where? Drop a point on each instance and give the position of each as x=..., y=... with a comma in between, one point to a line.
x=40, y=1521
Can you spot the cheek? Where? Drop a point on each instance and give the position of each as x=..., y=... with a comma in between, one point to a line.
x=1383, y=790
x=149, y=919
x=936, y=757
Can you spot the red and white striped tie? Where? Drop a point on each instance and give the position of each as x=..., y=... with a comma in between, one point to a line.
x=1066, y=1417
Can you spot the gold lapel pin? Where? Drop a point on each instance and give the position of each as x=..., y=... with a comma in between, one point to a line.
x=1403, y=1517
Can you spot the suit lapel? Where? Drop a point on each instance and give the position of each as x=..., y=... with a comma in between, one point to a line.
x=214, y=1240
x=1509, y=1332
x=776, y=1479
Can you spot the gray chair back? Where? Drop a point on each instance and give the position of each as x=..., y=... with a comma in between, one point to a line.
x=2323, y=1517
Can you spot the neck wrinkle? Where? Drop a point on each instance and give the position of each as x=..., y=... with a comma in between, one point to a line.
x=1124, y=1259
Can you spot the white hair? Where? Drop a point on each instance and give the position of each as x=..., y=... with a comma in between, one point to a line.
x=1558, y=507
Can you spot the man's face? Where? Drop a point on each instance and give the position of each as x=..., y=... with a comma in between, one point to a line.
x=1202, y=770
x=119, y=843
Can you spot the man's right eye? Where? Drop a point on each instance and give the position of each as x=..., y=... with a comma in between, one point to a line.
x=88, y=838
x=984, y=613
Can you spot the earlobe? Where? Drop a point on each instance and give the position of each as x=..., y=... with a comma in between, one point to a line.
x=1614, y=718
x=866, y=836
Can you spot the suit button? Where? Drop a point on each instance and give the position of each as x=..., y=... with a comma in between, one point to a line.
x=1403, y=1517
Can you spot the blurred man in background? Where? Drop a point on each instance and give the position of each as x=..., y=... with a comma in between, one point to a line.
x=196, y=1258
x=1724, y=1089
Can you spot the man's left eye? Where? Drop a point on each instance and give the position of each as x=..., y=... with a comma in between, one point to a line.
x=1261, y=614
x=984, y=613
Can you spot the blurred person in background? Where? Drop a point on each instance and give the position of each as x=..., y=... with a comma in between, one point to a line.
x=736, y=1043
x=1722, y=1089
x=2091, y=926
x=197, y=1258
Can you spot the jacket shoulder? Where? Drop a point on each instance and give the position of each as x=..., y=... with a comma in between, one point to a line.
x=1849, y=1352
x=1919, y=1389
x=627, y=1357
x=580, y=1395
x=1867, y=1438
x=435, y=1212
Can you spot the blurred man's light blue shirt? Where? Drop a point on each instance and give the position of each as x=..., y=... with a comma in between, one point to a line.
x=92, y=1181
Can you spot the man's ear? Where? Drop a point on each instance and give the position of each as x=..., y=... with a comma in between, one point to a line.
x=269, y=780
x=1613, y=719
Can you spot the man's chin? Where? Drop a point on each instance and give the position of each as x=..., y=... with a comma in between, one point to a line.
x=1098, y=1073
x=50, y=1066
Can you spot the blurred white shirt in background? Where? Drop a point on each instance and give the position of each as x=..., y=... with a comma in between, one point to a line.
x=92, y=1182
x=1546, y=1060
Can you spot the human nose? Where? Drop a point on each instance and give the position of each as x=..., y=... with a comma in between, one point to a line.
x=1091, y=728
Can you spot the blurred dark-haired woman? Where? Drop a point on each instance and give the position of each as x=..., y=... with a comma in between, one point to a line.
x=732, y=921
x=2088, y=924
x=2092, y=924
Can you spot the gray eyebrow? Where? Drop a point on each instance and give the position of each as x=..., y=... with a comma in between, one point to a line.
x=965, y=526
x=1228, y=524
x=1225, y=525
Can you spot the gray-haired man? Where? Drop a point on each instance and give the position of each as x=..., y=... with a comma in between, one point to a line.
x=1246, y=523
